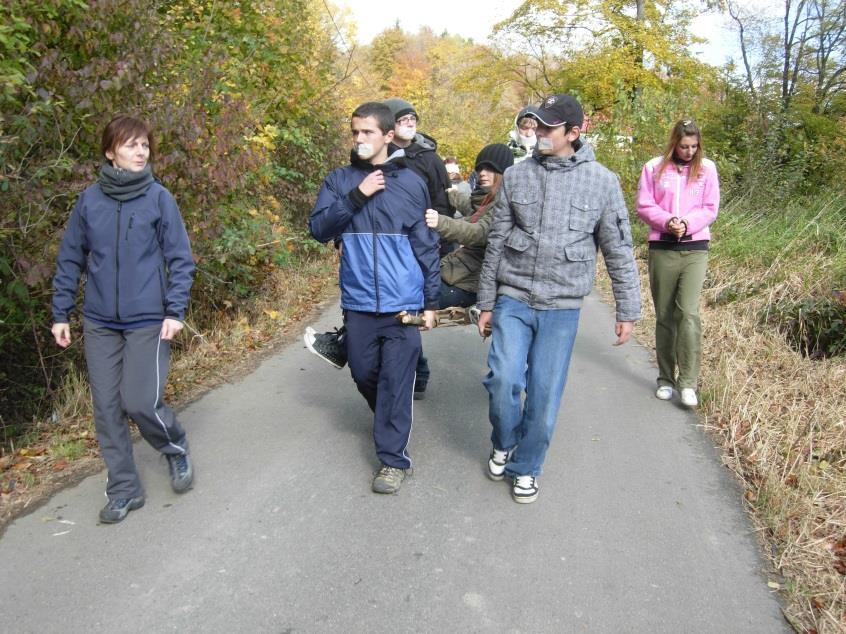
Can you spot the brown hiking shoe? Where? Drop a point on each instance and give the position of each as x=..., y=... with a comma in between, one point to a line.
x=388, y=479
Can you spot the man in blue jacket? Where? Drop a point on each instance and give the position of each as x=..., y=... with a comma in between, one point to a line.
x=389, y=263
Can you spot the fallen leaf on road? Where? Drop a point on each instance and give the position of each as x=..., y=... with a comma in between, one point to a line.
x=774, y=585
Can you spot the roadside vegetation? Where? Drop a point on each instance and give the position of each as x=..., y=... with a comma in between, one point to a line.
x=249, y=99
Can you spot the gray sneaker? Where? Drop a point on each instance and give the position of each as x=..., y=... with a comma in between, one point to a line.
x=119, y=508
x=181, y=472
x=388, y=479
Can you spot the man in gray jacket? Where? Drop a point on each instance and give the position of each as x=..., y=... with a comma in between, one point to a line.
x=552, y=212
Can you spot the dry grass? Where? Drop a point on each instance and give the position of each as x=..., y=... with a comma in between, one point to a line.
x=63, y=450
x=780, y=419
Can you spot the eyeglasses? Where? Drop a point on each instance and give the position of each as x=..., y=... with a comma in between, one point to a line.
x=407, y=119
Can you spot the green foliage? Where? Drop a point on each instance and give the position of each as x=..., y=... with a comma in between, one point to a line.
x=758, y=232
x=234, y=92
x=815, y=326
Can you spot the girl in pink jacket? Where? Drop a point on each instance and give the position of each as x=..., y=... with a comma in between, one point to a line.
x=678, y=198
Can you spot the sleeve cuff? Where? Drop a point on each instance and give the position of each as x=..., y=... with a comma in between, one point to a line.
x=357, y=199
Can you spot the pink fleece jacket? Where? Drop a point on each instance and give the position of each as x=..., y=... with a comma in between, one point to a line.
x=671, y=196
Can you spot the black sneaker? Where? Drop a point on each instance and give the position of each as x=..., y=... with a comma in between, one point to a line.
x=181, y=472
x=420, y=389
x=329, y=346
x=118, y=509
x=497, y=461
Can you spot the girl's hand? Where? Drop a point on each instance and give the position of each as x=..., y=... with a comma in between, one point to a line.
x=170, y=328
x=61, y=333
x=432, y=219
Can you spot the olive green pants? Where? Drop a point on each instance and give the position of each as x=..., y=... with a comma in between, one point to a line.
x=676, y=278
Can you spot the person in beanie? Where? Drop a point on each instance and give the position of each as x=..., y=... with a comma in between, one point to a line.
x=421, y=152
x=496, y=159
x=126, y=234
x=460, y=268
x=389, y=263
x=551, y=214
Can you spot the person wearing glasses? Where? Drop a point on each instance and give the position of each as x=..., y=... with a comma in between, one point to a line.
x=421, y=154
x=678, y=198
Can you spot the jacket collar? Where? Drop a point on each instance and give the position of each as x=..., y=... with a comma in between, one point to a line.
x=395, y=160
x=584, y=154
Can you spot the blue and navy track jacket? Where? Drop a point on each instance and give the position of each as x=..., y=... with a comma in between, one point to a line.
x=136, y=256
x=389, y=260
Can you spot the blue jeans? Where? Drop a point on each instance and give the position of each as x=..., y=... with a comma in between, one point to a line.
x=450, y=296
x=530, y=352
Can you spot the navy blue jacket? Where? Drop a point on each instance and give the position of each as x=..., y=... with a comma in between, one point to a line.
x=389, y=259
x=136, y=256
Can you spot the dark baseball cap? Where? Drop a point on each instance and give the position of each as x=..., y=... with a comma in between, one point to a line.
x=558, y=110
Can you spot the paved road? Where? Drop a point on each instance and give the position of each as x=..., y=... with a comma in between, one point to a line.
x=637, y=528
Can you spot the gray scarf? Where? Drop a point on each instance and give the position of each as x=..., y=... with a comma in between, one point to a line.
x=125, y=185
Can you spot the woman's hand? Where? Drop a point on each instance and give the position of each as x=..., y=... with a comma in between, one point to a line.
x=61, y=333
x=170, y=328
x=676, y=227
x=432, y=219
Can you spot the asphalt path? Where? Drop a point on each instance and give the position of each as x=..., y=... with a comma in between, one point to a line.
x=638, y=528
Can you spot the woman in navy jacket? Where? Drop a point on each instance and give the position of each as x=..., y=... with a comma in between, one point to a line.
x=126, y=234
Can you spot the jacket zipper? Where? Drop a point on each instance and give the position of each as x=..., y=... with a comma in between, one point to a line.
x=131, y=222
x=117, y=262
x=375, y=259
x=678, y=193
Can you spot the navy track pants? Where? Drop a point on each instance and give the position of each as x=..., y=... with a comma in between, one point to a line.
x=382, y=355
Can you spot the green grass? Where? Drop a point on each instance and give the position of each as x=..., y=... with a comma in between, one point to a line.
x=770, y=237
x=69, y=449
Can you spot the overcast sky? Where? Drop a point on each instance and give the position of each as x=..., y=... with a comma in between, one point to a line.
x=475, y=19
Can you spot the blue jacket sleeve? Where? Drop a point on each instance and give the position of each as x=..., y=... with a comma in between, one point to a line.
x=333, y=210
x=424, y=243
x=176, y=249
x=69, y=266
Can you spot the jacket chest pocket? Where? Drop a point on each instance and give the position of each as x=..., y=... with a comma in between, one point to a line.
x=583, y=217
x=141, y=229
x=525, y=207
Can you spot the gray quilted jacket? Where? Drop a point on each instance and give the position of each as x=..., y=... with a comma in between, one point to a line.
x=548, y=220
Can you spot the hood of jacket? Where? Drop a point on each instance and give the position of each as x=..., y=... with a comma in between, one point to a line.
x=395, y=160
x=584, y=154
x=421, y=143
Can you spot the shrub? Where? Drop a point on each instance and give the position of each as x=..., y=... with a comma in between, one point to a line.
x=816, y=326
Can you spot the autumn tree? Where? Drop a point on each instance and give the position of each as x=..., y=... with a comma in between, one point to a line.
x=463, y=96
x=235, y=92
x=601, y=48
